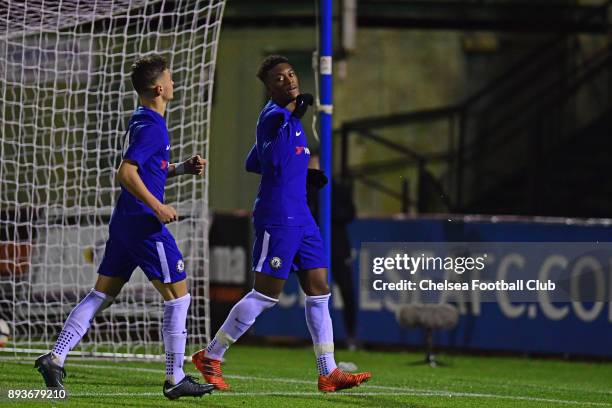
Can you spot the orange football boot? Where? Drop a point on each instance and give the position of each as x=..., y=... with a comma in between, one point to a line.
x=210, y=369
x=339, y=380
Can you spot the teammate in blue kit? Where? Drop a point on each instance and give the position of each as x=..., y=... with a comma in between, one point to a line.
x=286, y=236
x=138, y=236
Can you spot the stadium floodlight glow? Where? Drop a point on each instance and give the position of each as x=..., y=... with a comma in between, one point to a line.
x=66, y=101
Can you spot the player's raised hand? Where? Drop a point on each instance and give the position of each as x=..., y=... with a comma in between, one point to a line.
x=195, y=165
x=165, y=213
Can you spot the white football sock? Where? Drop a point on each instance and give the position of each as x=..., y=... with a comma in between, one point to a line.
x=322, y=332
x=175, y=336
x=240, y=319
x=77, y=324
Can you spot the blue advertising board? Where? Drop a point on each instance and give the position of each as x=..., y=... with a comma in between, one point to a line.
x=573, y=327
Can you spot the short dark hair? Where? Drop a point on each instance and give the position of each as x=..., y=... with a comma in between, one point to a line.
x=267, y=64
x=146, y=70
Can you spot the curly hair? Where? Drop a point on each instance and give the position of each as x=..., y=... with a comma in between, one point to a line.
x=268, y=63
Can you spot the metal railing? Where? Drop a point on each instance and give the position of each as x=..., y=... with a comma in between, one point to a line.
x=543, y=81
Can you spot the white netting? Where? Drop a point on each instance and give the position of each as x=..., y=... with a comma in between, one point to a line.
x=65, y=102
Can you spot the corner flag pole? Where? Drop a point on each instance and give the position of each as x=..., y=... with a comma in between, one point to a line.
x=325, y=116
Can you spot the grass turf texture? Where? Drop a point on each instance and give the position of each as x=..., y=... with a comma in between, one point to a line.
x=270, y=377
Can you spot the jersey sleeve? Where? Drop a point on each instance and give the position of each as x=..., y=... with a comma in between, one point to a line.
x=145, y=141
x=252, y=162
x=276, y=133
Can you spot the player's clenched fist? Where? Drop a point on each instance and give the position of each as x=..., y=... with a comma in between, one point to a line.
x=195, y=165
x=165, y=213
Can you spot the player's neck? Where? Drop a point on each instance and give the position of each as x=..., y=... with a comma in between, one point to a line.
x=157, y=104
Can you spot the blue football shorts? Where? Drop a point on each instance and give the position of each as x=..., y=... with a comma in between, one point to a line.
x=156, y=254
x=279, y=249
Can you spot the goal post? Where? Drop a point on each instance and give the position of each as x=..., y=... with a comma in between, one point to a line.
x=66, y=102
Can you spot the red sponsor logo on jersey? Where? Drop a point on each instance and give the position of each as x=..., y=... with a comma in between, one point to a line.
x=164, y=164
x=301, y=149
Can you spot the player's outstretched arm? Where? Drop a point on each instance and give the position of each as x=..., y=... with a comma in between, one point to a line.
x=194, y=165
x=278, y=142
x=129, y=178
x=252, y=164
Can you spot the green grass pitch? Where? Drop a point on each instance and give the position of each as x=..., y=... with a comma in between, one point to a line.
x=286, y=377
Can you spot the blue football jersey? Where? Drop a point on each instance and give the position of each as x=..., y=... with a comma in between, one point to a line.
x=281, y=156
x=136, y=236
x=149, y=148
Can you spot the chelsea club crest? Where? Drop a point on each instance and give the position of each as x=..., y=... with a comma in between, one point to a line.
x=276, y=262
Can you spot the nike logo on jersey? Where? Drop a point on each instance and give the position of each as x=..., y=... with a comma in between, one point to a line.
x=298, y=133
x=168, y=147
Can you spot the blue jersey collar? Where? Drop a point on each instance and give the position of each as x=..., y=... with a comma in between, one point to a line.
x=151, y=113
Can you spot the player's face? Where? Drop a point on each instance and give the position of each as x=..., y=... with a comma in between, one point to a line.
x=165, y=85
x=282, y=84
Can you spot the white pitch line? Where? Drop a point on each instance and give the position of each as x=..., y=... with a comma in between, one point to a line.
x=347, y=394
x=397, y=390
x=248, y=394
x=296, y=381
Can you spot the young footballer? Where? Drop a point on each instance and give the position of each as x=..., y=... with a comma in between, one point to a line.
x=138, y=236
x=286, y=236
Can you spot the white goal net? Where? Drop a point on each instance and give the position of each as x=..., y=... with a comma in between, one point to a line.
x=65, y=102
